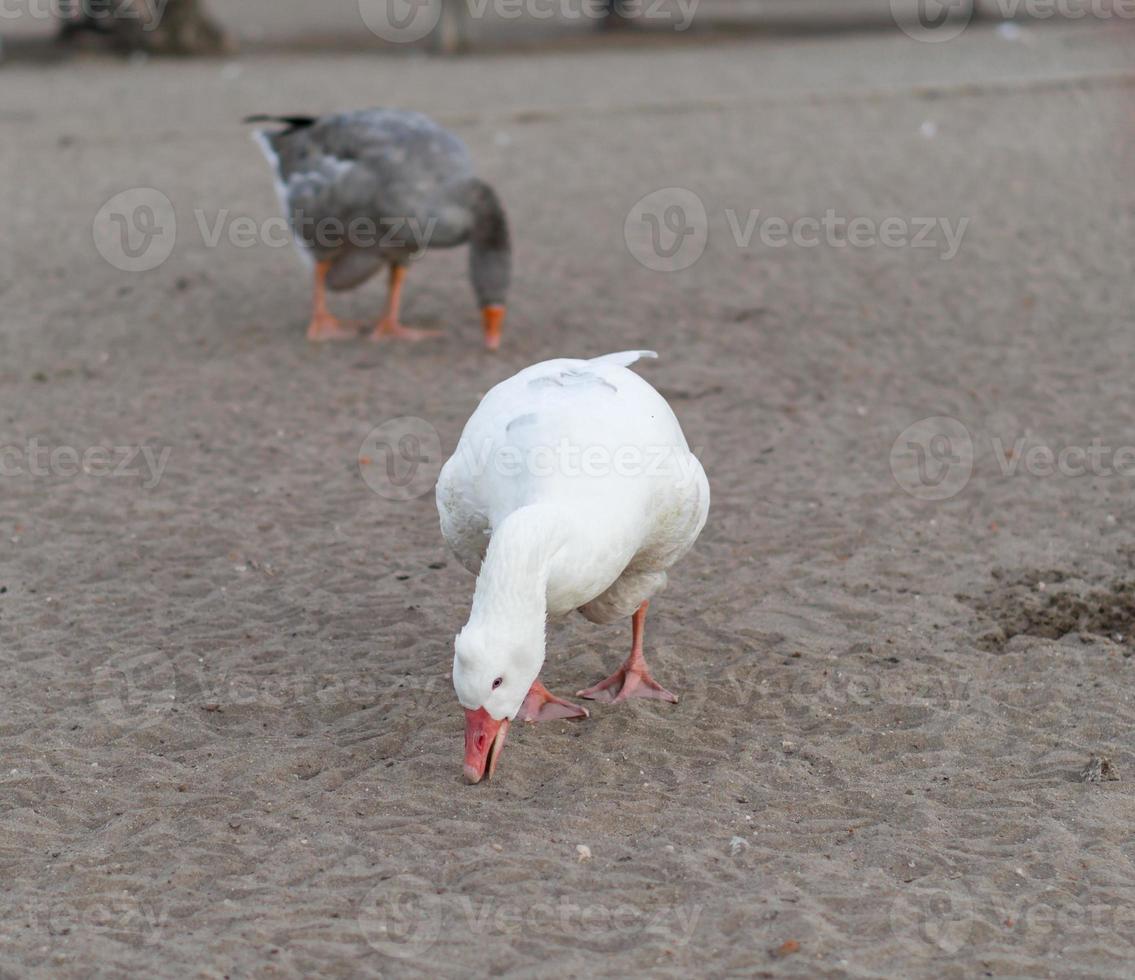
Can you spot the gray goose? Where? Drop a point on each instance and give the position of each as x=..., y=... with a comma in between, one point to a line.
x=379, y=187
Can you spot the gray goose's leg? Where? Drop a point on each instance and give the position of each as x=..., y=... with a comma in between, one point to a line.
x=324, y=324
x=390, y=325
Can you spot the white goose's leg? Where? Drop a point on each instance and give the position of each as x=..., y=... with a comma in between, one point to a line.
x=633, y=679
x=542, y=705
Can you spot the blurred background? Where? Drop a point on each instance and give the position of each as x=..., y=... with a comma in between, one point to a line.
x=30, y=26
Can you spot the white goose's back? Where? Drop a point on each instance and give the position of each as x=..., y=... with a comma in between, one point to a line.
x=597, y=439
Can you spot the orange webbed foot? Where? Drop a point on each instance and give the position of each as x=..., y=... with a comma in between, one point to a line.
x=327, y=327
x=388, y=329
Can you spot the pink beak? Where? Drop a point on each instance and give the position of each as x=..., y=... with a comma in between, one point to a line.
x=484, y=739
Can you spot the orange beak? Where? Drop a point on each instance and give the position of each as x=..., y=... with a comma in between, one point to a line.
x=493, y=317
x=484, y=739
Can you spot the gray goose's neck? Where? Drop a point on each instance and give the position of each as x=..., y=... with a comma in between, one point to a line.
x=490, y=257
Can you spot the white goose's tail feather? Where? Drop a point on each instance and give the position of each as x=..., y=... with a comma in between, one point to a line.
x=623, y=358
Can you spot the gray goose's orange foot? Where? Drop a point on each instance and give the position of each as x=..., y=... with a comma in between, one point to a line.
x=325, y=326
x=393, y=330
x=390, y=326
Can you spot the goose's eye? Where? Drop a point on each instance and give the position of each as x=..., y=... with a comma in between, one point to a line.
x=498, y=682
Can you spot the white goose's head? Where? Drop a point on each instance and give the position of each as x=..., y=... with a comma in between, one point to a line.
x=493, y=670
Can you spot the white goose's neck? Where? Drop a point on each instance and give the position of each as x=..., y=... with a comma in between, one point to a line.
x=512, y=586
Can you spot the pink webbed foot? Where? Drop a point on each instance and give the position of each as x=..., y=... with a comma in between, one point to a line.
x=629, y=681
x=542, y=705
x=632, y=680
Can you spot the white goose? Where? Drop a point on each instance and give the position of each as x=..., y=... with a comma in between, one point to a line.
x=572, y=488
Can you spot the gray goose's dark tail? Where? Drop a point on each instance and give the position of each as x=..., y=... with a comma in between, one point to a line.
x=292, y=122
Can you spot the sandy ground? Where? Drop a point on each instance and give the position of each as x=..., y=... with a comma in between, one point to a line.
x=228, y=744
